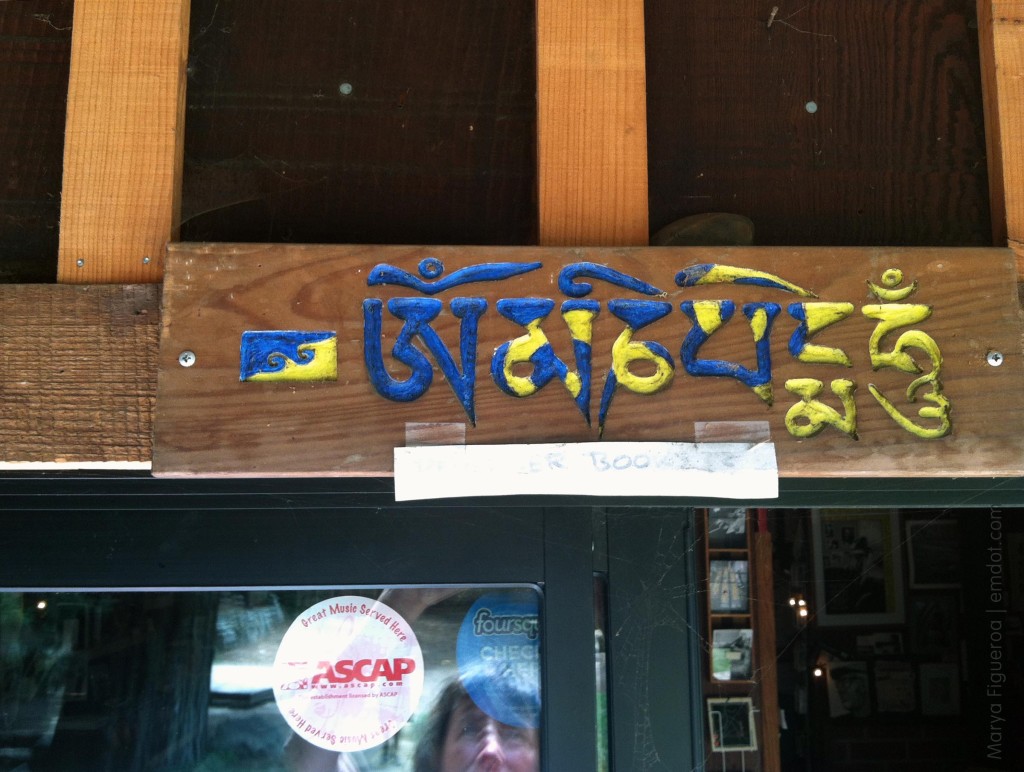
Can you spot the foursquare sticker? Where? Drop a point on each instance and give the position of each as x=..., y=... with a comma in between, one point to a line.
x=348, y=673
x=498, y=656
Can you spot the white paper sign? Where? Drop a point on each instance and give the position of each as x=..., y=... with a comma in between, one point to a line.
x=728, y=470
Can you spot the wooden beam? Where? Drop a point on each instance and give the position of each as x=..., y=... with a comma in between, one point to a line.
x=77, y=374
x=764, y=642
x=1001, y=30
x=124, y=141
x=592, y=123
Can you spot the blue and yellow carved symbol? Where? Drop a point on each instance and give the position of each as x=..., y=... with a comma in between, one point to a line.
x=813, y=318
x=713, y=273
x=626, y=352
x=431, y=270
x=288, y=355
x=707, y=317
x=416, y=315
x=534, y=350
x=568, y=284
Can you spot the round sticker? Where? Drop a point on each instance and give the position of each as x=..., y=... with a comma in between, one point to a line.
x=498, y=654
x=348, y=673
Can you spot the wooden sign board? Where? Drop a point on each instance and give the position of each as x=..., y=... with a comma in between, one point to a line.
x=320, y=360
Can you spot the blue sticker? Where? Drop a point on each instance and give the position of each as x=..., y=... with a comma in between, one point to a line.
x=498, y=655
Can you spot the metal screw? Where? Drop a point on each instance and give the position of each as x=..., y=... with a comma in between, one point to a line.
x=145, y=261
x=345, y=89
x=80, y=262
x=811, y=107
x=186, y=358
x=994, y=358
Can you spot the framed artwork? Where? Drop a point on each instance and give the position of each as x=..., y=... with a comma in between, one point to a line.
x=933, y=624
x=732, y=655
x=940, y=689
x=727, y=528
x=728, y=586
x=732, y=724
x=1015, y=562
x=894, y=687
x=848, y=690
x=880, y=644
x=933, y=550
x=857, y=566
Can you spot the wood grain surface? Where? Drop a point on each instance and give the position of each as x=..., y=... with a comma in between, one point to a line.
x=1001, y=23
x=210, y=423
x=361, y=122
x=124, y=139
x=765, y=646
x=591, y=122
x=840, y=123
x=77, y=373
x=34, y=60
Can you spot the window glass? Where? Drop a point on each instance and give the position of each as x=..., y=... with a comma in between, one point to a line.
x=402, y=678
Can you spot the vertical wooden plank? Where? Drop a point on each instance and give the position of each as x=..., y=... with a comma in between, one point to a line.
x=591, y=122
x=124, y=140
x=1001, y=30
x=764, y=641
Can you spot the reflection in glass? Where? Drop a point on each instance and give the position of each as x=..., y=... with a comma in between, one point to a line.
x=186, y=680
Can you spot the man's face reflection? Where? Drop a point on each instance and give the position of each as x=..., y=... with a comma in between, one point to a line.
x=475, y=742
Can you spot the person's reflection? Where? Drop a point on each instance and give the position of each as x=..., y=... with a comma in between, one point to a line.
x=460, y=737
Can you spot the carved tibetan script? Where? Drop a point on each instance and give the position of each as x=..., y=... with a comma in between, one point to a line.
x=320, y=360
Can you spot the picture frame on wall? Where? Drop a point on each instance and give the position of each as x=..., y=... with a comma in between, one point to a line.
x=731, y=720
x=894, y=686
x=732, y=654
x=933, y=553
x=933, y=625
x=880, y=644
x=849, y=693
x=729, y=586
x=858, y=573
x=940, y=689
x=727, y=528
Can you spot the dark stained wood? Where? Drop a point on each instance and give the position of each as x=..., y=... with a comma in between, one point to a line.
x=34, y=61
x=434, y=144
x=208, y=422
x=894, y=154
x=77, y=372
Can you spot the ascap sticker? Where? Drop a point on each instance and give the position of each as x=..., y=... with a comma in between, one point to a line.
x=348, y=673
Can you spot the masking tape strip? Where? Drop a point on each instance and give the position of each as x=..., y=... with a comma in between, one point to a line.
x=419, y=434
x=732, y=431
